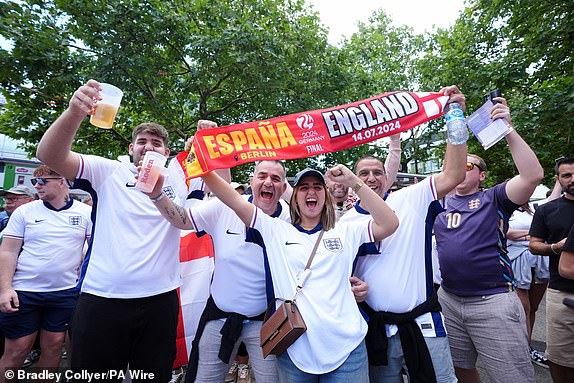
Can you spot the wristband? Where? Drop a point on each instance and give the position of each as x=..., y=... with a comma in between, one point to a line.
x=158, y=198
x=552, y=249
x=357, y=186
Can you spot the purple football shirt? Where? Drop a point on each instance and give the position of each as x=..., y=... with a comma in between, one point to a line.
x=471, y=242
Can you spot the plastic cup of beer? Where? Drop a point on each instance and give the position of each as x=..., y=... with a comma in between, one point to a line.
x=107, y=107
x=152, y=165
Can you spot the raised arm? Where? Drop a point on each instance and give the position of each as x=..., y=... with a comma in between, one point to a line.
x=530, y=172
x=286, y=196
x=454, y=169
x=55, y=148
x=556, y=191
x=177, y=215
x=225, y=192
x=385, y=220
x=207, y=124
x=393, y=161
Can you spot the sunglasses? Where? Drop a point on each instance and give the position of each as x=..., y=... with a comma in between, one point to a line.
x=43, y=180
x=471, y=165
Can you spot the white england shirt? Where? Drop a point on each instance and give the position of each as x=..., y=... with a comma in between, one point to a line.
x=182, y=186
x=134, y=251
x=52, y=244
x=335, y=327
x=238, y=283
x=400, y=277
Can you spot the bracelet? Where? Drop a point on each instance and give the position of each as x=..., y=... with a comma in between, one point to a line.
x=357, y=186
x=158, y=198
x=552, y=249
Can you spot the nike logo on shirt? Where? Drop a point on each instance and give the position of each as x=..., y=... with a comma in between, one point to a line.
x=231, y=232
x=39, y=220
x=130, y=184
x=291, y=243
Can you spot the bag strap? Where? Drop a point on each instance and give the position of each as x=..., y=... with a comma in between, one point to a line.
x=308, y=265
x=271, y=305
x=307, y=272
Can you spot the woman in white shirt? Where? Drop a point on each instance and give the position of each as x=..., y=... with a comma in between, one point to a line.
x=332, y=349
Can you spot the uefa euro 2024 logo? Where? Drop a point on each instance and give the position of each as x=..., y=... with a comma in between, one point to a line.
x=305, y=121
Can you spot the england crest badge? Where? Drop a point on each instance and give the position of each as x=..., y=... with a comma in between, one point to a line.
x=332, y=244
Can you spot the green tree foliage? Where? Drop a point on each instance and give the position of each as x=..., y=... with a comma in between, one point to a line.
x=526, y=49
x=177, y=62
x=379, y=58
x=236, y=61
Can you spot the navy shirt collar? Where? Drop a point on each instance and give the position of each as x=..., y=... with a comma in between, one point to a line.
x=66, y=206
x=312, y=231
x=277, y=212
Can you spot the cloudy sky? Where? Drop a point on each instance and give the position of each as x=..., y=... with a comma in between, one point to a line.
x=341, y=16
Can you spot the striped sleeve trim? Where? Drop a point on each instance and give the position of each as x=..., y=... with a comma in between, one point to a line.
x=254, y=219
x=370, y=229
x=81, y=169
x=433, y=189
x=195, y=228
x=12, y=236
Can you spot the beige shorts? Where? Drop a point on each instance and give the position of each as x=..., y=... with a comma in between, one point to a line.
x=559, y=328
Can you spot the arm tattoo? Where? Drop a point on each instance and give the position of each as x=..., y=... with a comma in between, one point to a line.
x=182, y=214
x=176, y=213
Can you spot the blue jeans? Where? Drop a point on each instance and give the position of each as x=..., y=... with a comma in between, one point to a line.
x=355, y=369
x=212, y=370
x=440, y=354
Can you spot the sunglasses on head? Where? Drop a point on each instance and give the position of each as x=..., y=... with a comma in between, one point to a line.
x=471, y=165
x=43, y=180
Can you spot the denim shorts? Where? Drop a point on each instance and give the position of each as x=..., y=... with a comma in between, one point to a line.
x=392, y=373
x=355, y=369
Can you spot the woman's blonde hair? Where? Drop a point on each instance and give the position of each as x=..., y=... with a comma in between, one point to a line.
x=328, y=217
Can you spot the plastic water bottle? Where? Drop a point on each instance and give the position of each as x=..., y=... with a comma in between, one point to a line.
x=455, y=124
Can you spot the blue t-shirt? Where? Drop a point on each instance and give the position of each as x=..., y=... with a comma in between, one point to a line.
x=3, y=220
x=471, y=243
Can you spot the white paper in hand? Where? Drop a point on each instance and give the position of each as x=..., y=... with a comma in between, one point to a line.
x=487, y=131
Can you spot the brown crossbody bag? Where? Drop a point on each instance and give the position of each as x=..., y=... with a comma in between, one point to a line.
x=286, y=325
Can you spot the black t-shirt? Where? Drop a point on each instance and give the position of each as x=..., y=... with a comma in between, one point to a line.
x=569, y=245
x=552, y=222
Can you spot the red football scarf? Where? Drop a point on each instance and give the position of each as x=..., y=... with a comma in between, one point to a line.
x=312, y=133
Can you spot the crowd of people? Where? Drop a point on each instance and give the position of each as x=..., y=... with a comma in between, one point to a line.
x=372, y=305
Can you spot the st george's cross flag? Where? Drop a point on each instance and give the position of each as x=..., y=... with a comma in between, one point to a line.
x=196, y=260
